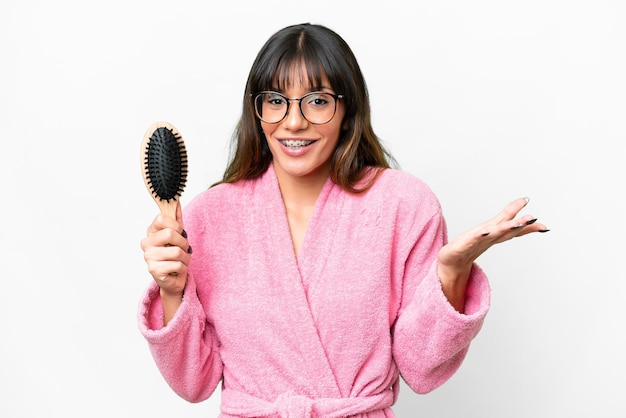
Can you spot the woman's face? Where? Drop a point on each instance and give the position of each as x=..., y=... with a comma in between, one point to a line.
x=302, y=150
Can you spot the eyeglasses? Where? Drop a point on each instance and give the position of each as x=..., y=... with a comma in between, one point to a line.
x=317, y=107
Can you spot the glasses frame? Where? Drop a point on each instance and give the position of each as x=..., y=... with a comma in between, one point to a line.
x=254, y=97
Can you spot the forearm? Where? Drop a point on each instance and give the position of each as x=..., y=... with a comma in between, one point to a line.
x=186, y=350
x=430, y=337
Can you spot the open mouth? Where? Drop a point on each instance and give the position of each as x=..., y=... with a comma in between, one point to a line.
x=295, y=143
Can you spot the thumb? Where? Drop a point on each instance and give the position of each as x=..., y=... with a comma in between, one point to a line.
x=179, y=214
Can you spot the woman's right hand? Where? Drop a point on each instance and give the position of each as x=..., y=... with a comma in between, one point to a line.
x=167, y=254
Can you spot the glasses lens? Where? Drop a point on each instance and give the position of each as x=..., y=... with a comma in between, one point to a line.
x=318, y=108
x=270, y=107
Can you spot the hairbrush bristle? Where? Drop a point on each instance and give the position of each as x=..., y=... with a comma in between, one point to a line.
x=165, y=164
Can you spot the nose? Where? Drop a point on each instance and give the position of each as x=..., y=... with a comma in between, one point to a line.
x=294, y=119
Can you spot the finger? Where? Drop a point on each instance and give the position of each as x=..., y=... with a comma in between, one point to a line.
x=503, y=232
x=162, y=270
x=162, y=222
x=507, y=214
x=521, y=222
x=164, y=238
x=510, y=210
x=508, y=228
x=158, y=254
x=173, y=282
x=179, y=214
x=534, y=227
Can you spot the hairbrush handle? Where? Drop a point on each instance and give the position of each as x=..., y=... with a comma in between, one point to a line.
x=164, y=165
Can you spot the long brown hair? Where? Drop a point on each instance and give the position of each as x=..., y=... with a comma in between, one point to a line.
x=323, y=53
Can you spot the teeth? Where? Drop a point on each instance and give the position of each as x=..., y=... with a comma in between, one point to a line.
x=296, y=143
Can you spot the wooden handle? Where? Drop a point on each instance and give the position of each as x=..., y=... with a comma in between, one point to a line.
x=167, y=209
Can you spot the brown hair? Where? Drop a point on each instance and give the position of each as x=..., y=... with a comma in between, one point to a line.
x=323, y=53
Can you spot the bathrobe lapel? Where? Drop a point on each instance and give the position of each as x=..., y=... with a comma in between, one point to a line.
x=298, y=272
x=318, y=241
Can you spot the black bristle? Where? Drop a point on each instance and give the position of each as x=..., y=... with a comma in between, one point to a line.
x=166, y=164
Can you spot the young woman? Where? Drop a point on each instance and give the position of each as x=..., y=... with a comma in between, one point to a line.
x=319, y=274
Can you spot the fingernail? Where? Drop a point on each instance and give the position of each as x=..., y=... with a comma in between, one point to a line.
x=484, y=234
x=516, y=227
x=527, y=199
x=543, y=230
x=189, y=250
x=532, y=221
x=184, y=233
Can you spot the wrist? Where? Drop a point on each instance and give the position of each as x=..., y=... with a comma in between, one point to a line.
x=171, y=295
x=170, y=301
x=454, y=284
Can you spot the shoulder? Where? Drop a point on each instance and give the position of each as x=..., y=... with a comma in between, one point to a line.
x=215, y=195
x=217, y=202
x=399, y=195
x=404, y=188
x=391, y=176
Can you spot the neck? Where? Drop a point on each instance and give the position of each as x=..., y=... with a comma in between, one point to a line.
x=301, y=191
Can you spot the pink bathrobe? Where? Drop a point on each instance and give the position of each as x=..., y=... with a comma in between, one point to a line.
x=328, y=333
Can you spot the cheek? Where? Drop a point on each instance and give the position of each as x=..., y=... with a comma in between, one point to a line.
x=266, y=129
x=266, y=133
x=334, y=132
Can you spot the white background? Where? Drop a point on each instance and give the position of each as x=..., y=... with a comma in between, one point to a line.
x=486, y=101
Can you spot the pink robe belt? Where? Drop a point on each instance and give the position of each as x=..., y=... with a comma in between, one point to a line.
x=289, y=405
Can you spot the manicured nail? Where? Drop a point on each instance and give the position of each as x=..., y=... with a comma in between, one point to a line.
x=184, y=233
x=527, y=199
x=532, y=221
x=516, y=227
x=189, y=250
x=484, y=234
x=543, y=230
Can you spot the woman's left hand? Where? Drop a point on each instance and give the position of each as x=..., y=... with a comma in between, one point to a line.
x=456, y=258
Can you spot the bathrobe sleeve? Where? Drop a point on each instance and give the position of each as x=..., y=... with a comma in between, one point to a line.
x=186, y=350
x=430, y=338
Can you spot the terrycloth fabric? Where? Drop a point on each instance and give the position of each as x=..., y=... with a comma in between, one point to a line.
x=324, y=334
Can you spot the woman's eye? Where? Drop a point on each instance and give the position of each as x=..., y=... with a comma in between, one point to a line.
x=275, y=100
x=318, y=100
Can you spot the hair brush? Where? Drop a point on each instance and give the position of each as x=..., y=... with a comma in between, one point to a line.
x=164, y=165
